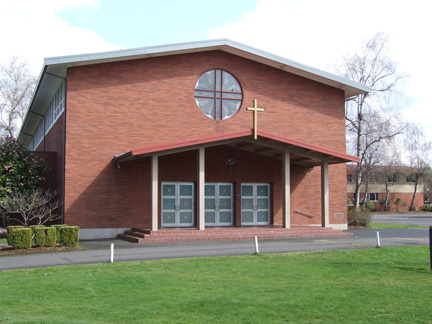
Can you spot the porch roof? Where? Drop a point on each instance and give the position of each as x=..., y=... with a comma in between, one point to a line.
x=267, y=144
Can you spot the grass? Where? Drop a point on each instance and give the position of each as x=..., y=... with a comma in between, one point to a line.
x=387, y=285
x=3, y=241
x=374, y=225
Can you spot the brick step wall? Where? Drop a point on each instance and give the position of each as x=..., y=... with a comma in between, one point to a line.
x=138, y=235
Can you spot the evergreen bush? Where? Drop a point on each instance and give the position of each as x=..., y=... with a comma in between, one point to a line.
x=44, y=236
x=58, y=234
x=359, y=217
x=69, y=236
x=9, y=235
x=22, y=238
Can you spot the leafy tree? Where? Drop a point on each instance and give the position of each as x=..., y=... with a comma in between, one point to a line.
x=20, y=171
x=16, y=90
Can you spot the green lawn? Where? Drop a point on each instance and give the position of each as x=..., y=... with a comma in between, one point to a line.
x=387, y=285
x=388, y=225
x=3, y=241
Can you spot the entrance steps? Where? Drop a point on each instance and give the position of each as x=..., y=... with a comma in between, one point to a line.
x=141, y=235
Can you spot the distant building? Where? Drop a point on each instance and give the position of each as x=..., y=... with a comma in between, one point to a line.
x=400, y=184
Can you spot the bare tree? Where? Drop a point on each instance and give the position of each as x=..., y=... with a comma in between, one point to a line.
x=37, y=206
x=419, y=160
x=368, y=117
x=16, y=89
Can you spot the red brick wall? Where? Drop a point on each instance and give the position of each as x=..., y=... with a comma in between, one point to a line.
x=403, y=206
x=112, y=108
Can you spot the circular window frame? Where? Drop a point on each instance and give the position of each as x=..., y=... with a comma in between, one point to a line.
x=215, y=99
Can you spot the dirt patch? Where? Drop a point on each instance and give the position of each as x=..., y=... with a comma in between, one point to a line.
x=9, y=250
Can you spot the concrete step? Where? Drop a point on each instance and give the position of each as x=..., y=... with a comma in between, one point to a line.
x=138, y=235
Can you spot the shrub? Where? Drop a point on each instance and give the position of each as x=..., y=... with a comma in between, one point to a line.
x=19, y=170
x=22, y=238
x=426, y=208
x=359, y=217
x=382, y=203
x=370, y=205
x=58, y=233
x=9, y=235
x=69, y=236
x=44, y=236
x=399, y=203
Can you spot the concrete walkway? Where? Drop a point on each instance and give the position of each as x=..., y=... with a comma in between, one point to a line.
x=99, y=251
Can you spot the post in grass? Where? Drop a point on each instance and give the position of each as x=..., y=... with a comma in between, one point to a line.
x=256, y=245
x=430, y=246
x=112, y=253
x=378, y=239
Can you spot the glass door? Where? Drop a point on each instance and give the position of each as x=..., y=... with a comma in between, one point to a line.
x=255, y=203
x=178, y=204
x=218, y=204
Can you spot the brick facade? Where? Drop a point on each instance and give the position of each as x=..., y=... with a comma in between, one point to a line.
x=115, y=107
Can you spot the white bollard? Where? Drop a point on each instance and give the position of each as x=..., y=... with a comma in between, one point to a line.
x=256, y=245
x=378, y=240
x=112, y=253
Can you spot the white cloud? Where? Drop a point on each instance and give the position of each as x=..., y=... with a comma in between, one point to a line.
x=32, y=31
x=318, y=33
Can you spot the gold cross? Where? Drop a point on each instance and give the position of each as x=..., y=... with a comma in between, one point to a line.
x=255, y=109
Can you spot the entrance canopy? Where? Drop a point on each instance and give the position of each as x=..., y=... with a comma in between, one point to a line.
x=267, y=144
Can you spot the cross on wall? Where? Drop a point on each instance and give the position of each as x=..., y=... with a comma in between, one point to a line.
x=255, y=110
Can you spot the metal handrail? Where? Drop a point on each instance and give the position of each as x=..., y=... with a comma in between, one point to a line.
x=117, y=217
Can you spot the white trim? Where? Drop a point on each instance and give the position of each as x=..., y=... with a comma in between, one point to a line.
x=201, y=188
x=286, y=190
x=325, y=200
x=154, y=194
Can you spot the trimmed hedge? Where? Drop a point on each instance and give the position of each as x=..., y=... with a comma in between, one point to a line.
x=69, y=236
x=58, y=234
x=44, y=236
x=10, y=236
x=22, y=238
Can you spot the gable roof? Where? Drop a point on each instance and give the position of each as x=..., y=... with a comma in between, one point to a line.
x=54, y=70
x=267, y=144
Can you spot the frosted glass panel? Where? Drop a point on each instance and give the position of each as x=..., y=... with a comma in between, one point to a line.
x=169, y=190
x=210, y=190
x=230, y=83
x=206, y=81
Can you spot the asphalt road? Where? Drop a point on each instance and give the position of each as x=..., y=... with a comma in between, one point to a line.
x=421, y=219
x=99, y=251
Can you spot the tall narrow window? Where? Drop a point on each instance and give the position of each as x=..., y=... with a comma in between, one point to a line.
x=218, y=94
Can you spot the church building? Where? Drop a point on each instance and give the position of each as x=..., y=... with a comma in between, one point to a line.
x=201, y=138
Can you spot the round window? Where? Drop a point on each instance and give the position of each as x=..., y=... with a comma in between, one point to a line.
x=218, y=94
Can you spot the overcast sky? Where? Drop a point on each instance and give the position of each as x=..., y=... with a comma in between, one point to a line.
x=313, y=32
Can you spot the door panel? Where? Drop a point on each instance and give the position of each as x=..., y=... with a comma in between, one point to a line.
x=178, y=204
x=255, y=204
x=218, y=204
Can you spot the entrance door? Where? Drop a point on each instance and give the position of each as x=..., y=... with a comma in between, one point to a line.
x=255, y=203
x=178, y=204
x=218, y=204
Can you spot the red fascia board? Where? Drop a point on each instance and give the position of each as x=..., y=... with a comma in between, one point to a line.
x=308, y=146
x=238, y=134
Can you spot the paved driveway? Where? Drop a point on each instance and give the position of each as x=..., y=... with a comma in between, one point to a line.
x=421, y=219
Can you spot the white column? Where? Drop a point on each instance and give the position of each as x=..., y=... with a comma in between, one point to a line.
x=201, y=189
x=154, y=194
x=325, y=208
x=286, y=190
